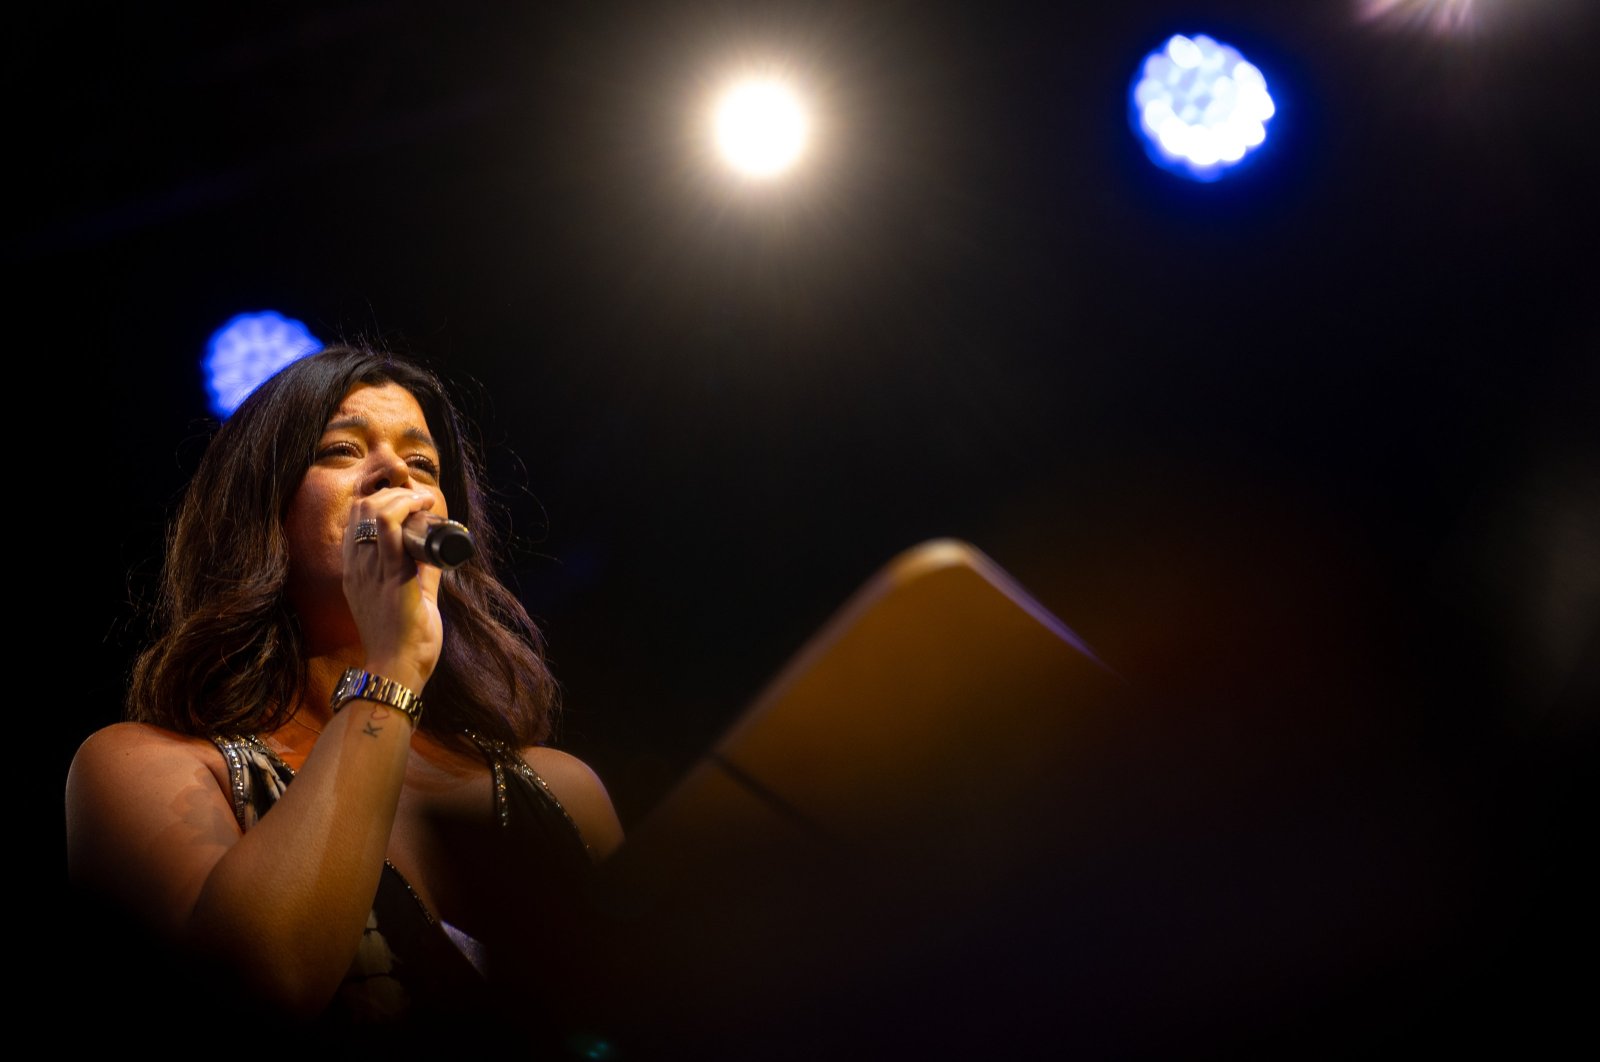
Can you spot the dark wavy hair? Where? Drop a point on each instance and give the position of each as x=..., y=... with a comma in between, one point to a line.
x=228, y=654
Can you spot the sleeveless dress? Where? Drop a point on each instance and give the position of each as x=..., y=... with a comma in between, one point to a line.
x=414, y=973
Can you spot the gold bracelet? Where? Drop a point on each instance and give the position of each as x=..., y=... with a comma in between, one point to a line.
x=356, y=683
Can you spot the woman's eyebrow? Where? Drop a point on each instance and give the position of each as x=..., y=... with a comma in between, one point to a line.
x=420, y=437
x=416, y=435
x=346, y=424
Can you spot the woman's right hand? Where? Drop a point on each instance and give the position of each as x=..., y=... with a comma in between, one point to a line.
x=393, y=598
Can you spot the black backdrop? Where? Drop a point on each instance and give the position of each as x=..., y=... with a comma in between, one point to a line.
x=1308, y=453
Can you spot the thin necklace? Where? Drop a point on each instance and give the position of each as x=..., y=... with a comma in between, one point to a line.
x=295, y=718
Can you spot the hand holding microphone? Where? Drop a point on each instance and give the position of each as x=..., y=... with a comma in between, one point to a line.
x=437, y=541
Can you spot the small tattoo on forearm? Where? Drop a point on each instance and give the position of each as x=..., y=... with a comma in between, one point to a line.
x=371, y=731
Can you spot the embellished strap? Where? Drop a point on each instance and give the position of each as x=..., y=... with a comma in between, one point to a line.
x=503, y=757
x=249, y=758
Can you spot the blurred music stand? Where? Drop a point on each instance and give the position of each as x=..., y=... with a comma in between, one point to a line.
x=858, y=859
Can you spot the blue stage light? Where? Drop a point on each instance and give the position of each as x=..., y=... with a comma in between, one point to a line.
x=1199, y=106
x=246, y=350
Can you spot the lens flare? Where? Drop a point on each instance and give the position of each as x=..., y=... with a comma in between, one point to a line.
x=1443, y=17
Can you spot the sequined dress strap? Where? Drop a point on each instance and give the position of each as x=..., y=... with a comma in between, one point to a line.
x=250, y=761
x=505, y=761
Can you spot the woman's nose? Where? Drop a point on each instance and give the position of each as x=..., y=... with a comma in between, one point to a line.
x=388, y=471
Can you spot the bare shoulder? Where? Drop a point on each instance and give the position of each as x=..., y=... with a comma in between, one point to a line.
x=147, y=813
x=142, y=736
x=136, y=747
x=136, y=752
x=582, y=793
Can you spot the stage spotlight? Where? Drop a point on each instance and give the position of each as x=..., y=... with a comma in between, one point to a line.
x=246, y=350
x=1199, y=106
x=760, y=128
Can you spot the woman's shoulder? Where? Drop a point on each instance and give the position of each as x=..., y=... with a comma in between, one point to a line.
x=142, y=739
x=133, y=790
x=582, y=792
x=122, y=753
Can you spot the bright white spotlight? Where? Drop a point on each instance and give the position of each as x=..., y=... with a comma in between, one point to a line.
x=246, y=350
x=1199, y=106
x=760, y=128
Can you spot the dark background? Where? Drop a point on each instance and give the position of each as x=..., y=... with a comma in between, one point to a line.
x=1308, y=454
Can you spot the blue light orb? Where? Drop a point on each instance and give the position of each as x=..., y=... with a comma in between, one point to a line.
x=246, y=350
x=1200, y=107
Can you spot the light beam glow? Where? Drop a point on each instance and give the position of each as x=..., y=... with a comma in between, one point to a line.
x=1442, y=17
x=1200, y=106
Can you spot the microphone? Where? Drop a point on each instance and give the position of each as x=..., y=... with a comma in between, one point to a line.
x=437, y=541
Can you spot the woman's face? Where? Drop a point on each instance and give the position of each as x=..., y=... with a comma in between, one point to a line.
x=377, y=438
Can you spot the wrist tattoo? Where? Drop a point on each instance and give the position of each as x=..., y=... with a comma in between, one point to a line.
x=370, y=730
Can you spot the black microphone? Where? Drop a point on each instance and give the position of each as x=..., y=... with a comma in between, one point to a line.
x=434, y=540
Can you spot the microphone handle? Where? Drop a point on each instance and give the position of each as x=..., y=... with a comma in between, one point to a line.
x=437, y=541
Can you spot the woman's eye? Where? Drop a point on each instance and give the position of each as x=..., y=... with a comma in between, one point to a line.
x=336, y=449
x=426, y=465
